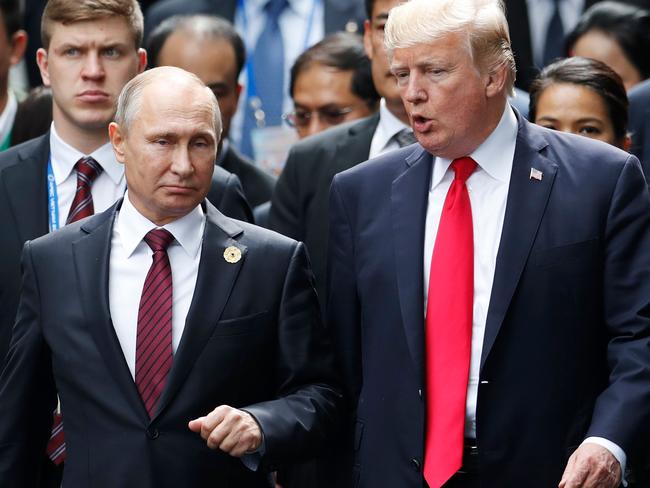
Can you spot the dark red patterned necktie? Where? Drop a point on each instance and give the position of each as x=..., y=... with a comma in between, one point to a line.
x=82, y=204
x=449, y=330
x=153, y=350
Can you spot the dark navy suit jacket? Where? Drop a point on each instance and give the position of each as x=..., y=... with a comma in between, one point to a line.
x=566, y=352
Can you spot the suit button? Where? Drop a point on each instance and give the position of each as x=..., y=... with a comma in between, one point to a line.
x=416, y=464
x=152, y=433
x=420, y=393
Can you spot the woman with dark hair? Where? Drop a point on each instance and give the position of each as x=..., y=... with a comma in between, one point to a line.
x=582, y=96
x=618, y=35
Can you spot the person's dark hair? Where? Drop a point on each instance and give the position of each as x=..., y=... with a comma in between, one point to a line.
x=33, y=116
x=591, y=74
x=369, y=4
x=200, y=26
x=627, y=24
x=342, y=51
x=12, y=16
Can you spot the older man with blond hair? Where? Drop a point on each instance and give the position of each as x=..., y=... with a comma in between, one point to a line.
x=491, y=307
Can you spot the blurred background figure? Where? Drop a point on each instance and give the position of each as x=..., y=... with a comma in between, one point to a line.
x=13, y=41
x=331, y=83
x=210, y=47
x=618, y=35
x=581, y=96
x=34, y=115
x=275, y=32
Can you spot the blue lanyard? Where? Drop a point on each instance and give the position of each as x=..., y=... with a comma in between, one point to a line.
x=251, y=86
x=52, y=197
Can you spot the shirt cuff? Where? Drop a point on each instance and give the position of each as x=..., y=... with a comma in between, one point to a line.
x=616, y=451
x=252, y=460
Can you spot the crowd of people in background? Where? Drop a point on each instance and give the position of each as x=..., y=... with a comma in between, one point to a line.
x=306, y=90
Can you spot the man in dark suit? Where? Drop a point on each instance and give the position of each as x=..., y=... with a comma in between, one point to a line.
x=196, y=338
x=85, y=89
x=300, y=200
x=488, y=288
x=640, y=124
x=209, y=47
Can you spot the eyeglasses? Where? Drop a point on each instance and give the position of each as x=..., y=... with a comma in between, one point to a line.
x=300, y=118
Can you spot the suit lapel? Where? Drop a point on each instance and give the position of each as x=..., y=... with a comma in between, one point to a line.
x=408, y=212
x=27, y=190
x=527, y=199
x=214, y=283
x=91, y=258
x=354, y=148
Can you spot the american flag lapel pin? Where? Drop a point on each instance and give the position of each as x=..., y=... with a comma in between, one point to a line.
x=535, y=174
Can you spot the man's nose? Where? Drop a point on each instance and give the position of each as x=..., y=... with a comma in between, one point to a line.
x=93, y=67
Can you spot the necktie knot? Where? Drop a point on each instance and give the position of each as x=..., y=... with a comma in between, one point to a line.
x=88, y=169
x=405, y=137
x=158, y=239
x=274, y=8
x=463, y=168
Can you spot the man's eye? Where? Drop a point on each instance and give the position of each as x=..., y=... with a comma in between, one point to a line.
x=71, y=51
x=589, y=130
x=111, y=52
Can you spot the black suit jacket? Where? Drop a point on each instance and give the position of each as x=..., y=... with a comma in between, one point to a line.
x=256, y=183
x=253, y=338
x=517, y=14
x=640, y=124
x=300, y=200
x=565, y=351
x=23, y=215
x=338, y=13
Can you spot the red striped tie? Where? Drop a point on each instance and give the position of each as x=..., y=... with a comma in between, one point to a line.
x=153, y=350
x=449, y=330
x=82, y=204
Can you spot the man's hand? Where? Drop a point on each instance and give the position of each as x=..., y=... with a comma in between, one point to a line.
x=591, y=466
x=233, y=431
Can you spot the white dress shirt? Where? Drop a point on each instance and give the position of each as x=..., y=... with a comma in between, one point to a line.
x=130, y=260
x=383, y=138
x=297, y=36
x=8, y=116
x=488, y=195
x=540, y=13
x=107, y=188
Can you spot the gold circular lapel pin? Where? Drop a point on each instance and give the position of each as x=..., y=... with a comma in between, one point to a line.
x=232, y=254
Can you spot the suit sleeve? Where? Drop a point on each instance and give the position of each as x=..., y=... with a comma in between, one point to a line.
x=286, y=208
x=343, y=319
x=622, y=410
x=304, y=414
x=27, y=389
x=230, y=200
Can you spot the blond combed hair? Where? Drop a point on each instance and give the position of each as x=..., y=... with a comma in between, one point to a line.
x=484, y=22
x=71, y=11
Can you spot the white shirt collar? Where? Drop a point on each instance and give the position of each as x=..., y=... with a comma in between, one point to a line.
x=493, y=152
x=8, y=115
x=388, y=126
x=64, y=157
x=132, y=226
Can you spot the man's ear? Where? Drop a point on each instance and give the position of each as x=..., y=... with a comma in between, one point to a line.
x=41, y=60
x=142, y=60
x=496, y=81
x=367, y=41
x=117, y=141
x=18, y=46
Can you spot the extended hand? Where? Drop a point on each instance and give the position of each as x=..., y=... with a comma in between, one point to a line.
x=591, y=466
x=233, y=431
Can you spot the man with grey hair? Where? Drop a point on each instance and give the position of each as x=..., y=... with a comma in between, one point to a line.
x=194, y=354
x=490, y=308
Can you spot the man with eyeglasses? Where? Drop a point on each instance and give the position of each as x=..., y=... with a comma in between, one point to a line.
x=331, y=83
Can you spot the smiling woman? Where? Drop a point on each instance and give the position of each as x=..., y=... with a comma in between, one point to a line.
x=582, y=96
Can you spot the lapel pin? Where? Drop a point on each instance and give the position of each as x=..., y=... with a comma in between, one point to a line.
x=535, y=174
x=232, y=254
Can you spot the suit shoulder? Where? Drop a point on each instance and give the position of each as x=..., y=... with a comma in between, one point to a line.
x=15, y=154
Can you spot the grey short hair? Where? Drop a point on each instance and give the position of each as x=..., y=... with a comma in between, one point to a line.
x=130, y=99
x=484, y=22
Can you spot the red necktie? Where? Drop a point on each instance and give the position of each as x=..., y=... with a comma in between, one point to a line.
x=153, y=350
x=449, y=330
x=82, y=204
